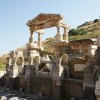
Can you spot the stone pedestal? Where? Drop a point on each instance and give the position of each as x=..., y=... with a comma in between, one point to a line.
x=58, y=37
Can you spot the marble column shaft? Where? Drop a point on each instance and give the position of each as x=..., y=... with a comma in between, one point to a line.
x=65, y=34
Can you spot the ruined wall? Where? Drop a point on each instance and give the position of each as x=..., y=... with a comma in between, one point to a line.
x=73, y=88
x=41, y=86
x=84, y=47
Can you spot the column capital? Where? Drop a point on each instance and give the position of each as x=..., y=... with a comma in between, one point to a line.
x=40, y=31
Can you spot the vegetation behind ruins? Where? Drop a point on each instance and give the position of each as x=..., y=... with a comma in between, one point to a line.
x=87, y=30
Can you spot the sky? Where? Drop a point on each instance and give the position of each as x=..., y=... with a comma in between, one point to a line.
x=14, y=14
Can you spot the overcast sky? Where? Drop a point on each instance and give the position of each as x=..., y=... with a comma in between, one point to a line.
x=14, y=14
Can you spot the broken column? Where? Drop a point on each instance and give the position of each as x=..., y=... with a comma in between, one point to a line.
x=14, y=70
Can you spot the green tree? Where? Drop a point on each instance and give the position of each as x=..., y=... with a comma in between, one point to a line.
x=74, y=32
x=96, y=20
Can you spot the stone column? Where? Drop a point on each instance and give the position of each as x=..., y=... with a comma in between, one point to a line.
x=14, y=61
x=9, y=61
x=30, y=61
x=80, y=48
x=58, y=29
x=97, y=89
x=58, y=90
x=31, y=40
x=22, y=62
x=31, y=37
x=40, y=32
x=58, y=35
x=21, y=65
x=98, y=41
x=39, y=39
x=14, y=68
x=59, y=62
x=65, y=34
x=57, y=76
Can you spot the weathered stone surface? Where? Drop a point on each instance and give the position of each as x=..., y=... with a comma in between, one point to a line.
x=68, y=77
x=71, y=86
x=41, y=85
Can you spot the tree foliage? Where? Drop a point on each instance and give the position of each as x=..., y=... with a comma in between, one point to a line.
x=74, y=32
x=96, y=20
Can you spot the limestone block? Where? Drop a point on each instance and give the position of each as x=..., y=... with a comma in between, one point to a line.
x=14, y=71
x=3, y=98
x=79, y=67
x=14, y=98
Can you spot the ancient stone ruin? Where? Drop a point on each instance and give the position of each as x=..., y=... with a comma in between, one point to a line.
x=73, y=75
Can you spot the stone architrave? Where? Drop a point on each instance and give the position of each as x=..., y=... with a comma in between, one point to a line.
x=43, y=21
